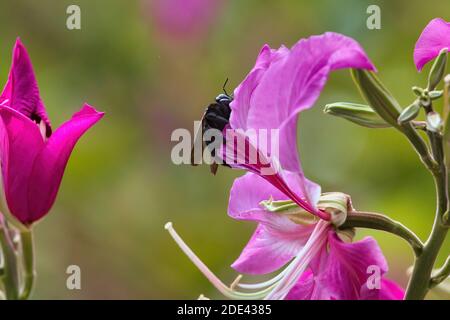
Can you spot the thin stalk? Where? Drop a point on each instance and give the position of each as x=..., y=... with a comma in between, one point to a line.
x=371, y=220
x=10, y=276
x=441, y=274
x=419, y=283
x=28, y=263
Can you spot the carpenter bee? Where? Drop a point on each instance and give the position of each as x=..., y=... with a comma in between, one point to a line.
x=216, y=116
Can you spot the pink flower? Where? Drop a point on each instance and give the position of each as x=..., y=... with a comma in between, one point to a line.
x=33, y=158
x=434, y=38
x=283, y=83
x=303, y=237
x=320, y=265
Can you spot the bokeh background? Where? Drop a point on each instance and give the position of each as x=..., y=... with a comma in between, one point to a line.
x=153, y=68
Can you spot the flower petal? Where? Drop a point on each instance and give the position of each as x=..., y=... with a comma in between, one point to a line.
x=21, y=92
x=277, y=239
x=307, y=288
x=20, y=143
x=242, y=153
x=272, y=246
x=285, y=82
x=344, y=271
x=389, y=290
x=434, y=38
x=50, y=163
x=249, y=190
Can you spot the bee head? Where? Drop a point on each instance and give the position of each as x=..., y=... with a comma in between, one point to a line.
x=224, y=98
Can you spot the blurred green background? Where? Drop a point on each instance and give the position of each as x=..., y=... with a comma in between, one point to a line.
x=120, y=186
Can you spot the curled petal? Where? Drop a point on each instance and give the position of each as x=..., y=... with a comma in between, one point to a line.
x=434, y=38
x=282, y=83
x=21, y=92
x=49, y=165
x=285, y=82
x=32, y=168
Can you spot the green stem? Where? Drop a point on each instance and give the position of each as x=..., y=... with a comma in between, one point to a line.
x=10, y=277
x=420, y=279
x=419, y=283
x=28, y=263
x=441, y=274
x=371, y=220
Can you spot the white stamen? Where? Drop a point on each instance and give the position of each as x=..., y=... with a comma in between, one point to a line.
x=235, y=282
x=300, y=263
x=215, y=281
x=268, y=283
x=4, y=102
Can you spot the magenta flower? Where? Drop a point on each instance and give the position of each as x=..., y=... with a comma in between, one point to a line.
x=33, y=158
x=320, y=264
x=434, y=38
x=282, y=84
x=294, y=228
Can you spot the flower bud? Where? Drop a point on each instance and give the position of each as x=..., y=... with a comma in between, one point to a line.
x=435, y=94
x=434, y=121
x=417, y=91
x=356, y=113
x=337, y=204
x=437, y=70
x=377, y=96
x=409, y=113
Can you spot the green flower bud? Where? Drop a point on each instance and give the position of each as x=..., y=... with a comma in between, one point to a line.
x=437, y=70
x=425, y=99
x=417, y=91
x=378, y=97
x=434, y=121
x=409, y=113
x=356, y=113
x=435, y=94
x=337, y=204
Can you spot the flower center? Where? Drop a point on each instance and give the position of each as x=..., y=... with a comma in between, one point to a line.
x=41, y=125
